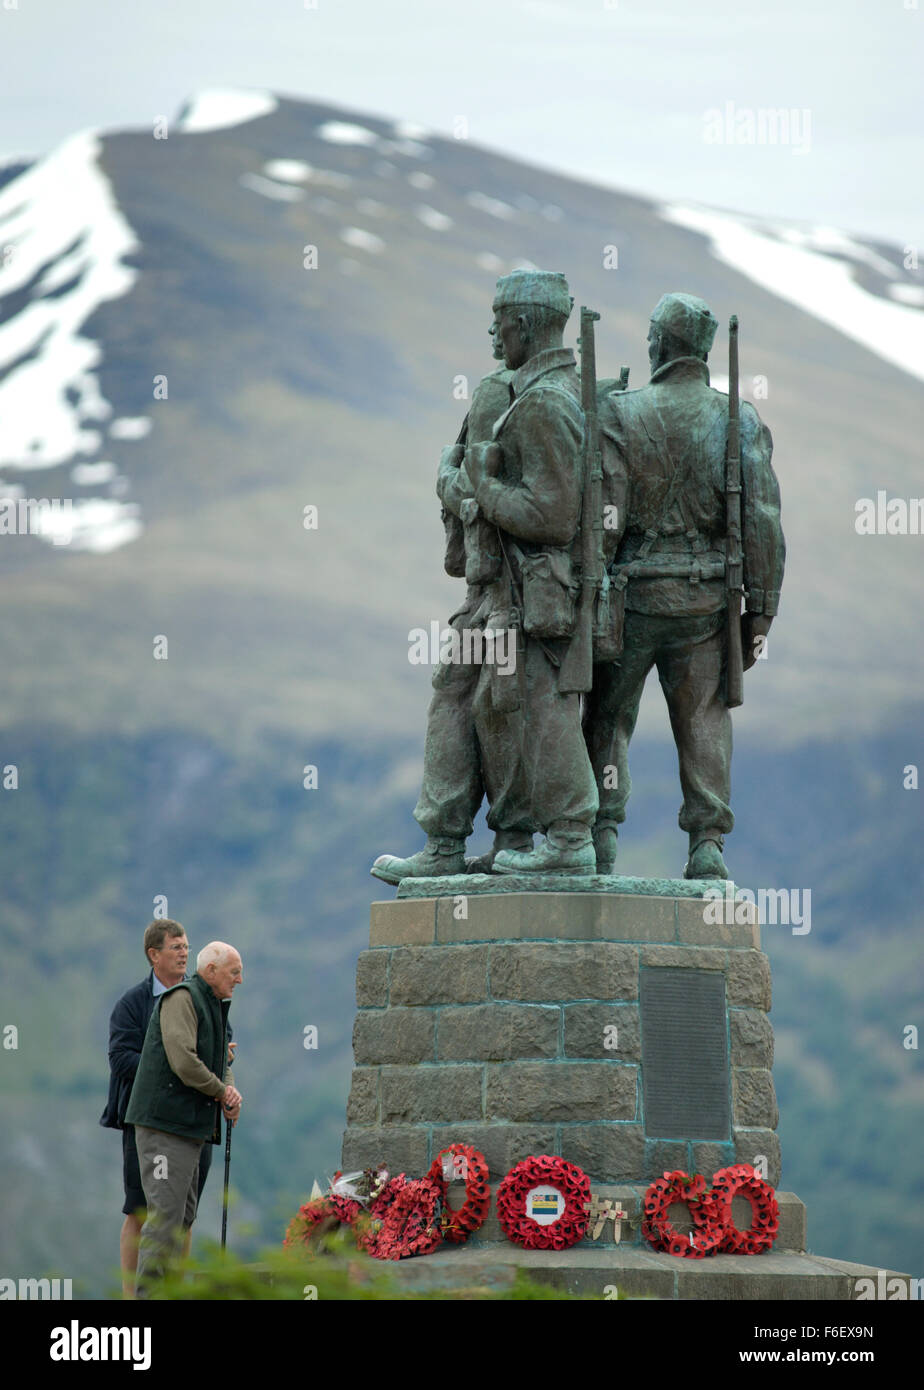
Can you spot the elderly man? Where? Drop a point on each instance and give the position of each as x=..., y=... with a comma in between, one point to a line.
x=166, y=950
x=182, y=1079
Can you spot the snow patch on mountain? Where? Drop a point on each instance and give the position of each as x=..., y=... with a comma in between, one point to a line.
x=130, y=427
x=93, y=474
x=807, y=269
x=410, y=130
x=216, y=108
x=351, y=133
x=908, y=294
x=432, y=218
x=347, y=133
x=269, y=188
x=98, y=524
x=288, y=170
x=63, y=239
x=492, y=206
x=363, y=240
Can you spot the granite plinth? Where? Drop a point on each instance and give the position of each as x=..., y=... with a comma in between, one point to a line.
x=515, y=1022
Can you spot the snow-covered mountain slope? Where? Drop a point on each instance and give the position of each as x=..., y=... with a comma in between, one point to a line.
x=839, y=280
x=65, y=247
x=272, y=303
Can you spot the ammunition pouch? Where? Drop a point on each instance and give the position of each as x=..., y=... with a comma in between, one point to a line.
x=482, y=551
x=609, y=619
x=454, y=558
x=550, y=593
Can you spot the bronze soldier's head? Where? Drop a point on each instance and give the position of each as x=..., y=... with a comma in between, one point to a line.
x=531, y=308
x=681, y=326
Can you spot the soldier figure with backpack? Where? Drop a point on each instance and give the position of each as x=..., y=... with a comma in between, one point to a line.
x=674, y=575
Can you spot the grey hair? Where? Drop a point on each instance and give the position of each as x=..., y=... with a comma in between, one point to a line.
x=215, y=953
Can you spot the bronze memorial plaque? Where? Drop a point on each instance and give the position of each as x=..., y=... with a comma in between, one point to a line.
x=685, y=1054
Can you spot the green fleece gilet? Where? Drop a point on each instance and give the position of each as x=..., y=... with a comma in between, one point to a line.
x=159, y=1099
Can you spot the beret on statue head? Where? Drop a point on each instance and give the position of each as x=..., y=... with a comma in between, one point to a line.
x=545, y=288
x=688, y=319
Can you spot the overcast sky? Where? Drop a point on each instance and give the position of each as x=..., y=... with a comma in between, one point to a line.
x=620, y=91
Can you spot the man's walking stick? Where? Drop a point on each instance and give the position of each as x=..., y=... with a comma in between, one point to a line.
x=224, y=1200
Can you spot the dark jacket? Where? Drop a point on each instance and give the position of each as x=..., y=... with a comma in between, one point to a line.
x=159, y=1099
x=128, y=1024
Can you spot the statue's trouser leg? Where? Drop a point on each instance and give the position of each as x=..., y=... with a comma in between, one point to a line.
x=499, y=731
x=691, y=657
x=452, y=788
x=537, y=771
x=610, y=715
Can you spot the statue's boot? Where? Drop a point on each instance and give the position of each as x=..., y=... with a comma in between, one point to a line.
x=568, y=848
x=503, y=839
x=440, y=856
x=605, y=837
x=705, y=859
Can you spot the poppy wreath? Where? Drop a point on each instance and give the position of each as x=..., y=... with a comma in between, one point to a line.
x=546, y=1170
x=412, y=1222
x=708, y=1228
x=741, y=1180
x=369, y=1227
x=459, y=1225
x=314, y=1217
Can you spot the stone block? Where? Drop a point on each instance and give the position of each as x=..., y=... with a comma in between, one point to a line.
x=439, y=975
x=749, y=980
x=631, y=917
x=423, y=1094
x=666, y=1156
x=503, y=1145
x=518, y=916
x=695, y=926
x=497, y=1032
x=753, y=1098
x=752, y=1145
x=394, y=1035
x=372, y=979
x=606, y=1152
x=561, y=1091
x=402, y=1149
x=586, y=1031
x=403, y=923
x=708, y=1158
x=684, y=957
x=791, y=1235
x=751, y=1038
x=363, y=1103
x=554, y=971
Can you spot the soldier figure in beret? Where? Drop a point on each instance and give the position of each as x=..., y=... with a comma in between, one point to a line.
x=528, y=485
x=666, y=447
x=517, y=489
